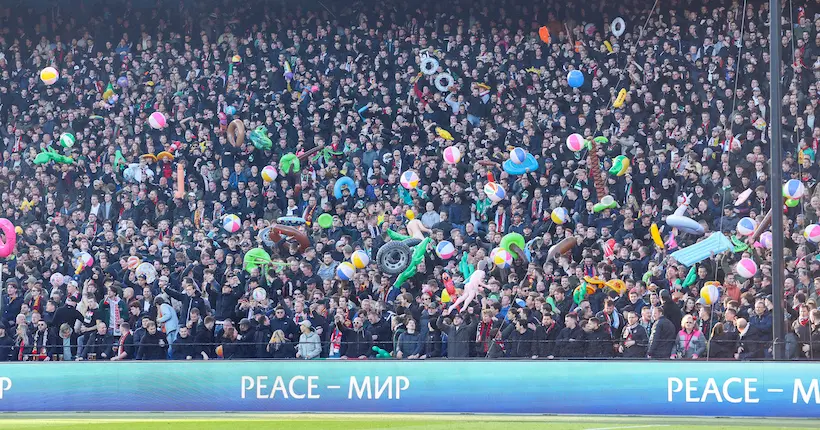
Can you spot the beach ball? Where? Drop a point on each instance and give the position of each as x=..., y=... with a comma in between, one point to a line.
x=57, y=279
x=766, y=239
x=559, y=216
x=219, y=352
x=812, y=233
x=86, y=259
x=259, y=294
x=794, y=189
x=760, y=124
x=452, y=155
x=445, y=250
x=236, y=59
x=710, y=293
x=494, y=192
x=493, y=252
x=409, y=180
x=746, y=226
x=345, y=271
x=360, y=259
x=792, y=202
x=67, y=140
x=269, y=173
x=122, y=82
x=132, y=262
x=518, y=155
x=232, y=223
x=575, y=142
x=49, y=75
x=157, y=121
x=746, y=268
x=575, y=78
x=502, y=259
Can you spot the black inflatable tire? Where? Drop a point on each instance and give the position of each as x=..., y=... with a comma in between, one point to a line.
x=393, y=257
x=411, y=242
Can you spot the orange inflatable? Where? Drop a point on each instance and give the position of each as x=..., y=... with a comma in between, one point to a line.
x=236, y=133
x=544, y=34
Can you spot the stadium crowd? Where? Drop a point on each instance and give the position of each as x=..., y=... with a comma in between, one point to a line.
x=345, y=79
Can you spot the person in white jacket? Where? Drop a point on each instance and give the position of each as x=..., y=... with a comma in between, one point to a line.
x=310, y=346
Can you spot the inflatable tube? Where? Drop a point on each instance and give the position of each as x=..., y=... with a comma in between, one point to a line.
x=289, y=163
x=513, y=239
x=562, y=247
x=544, y=34
x=342, y=182
x=278, y=230
x=712, y=245
x=236, y=133
x=619, y=166
x=743, y=197
x=656, y=235
x=444, y=81
x=594, y=164
x=294, y=221
x=7, y=246
x=530, y=164
x=428, y=66
x=684, y=224
x=618, y=26
x=180, y=193
x=393, y=257
x=620, y=100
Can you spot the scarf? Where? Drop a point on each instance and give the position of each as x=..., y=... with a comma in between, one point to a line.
x=121, y=346
x=114, y=317
x=499, y=220
x=483, y=334
x=335, y=342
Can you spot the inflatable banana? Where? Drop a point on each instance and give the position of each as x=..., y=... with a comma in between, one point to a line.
x=619, y=101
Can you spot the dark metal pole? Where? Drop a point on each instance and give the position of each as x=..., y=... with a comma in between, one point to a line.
x=776, y=178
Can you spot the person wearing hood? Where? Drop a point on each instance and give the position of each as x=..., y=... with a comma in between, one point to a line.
x=671, y=310
x=310, y=346
x=6, y=343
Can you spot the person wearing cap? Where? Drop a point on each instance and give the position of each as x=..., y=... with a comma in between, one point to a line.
x=310, y=346
x=460, y=334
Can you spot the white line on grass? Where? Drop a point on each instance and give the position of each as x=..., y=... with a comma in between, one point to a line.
x=629, y=427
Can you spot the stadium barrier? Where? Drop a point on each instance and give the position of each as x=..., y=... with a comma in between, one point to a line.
x=676, y=388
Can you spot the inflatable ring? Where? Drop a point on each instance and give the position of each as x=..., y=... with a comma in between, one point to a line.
x=264, y=236
x=342, y=182
x=544, y=34
x=7, y=247
x=684, y=224
x=619, y=166
x=293, y=221
x=562, y=247
x=743, y=197
x=278, y=230
x=236, y=133
x=393, y=257
x=530, y=164
x=429, y=65
x=289, y=163
x=444, y=81
x=513, y=239
x=656, y=235
x=621, y=99
x=618, y=26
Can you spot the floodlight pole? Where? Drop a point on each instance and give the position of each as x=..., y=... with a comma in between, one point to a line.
x=776, y=187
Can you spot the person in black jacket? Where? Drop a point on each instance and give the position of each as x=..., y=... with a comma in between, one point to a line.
x=139, y=333
x=721, y=344
x=662, y=340
x=570, y=341
x=190, y=299
x=247, y=333
x=432, y=341
x=519, y=339
x=598, y=342
x=281, y=321
x=99, y=344
x=379, y=332
x=280, y=347
x=124, y=347
x=355, y=342
x=751, y=342
x=154, y=344
x=634, y=341
x=545, y=336
x=6, y=343
x=261, y=337
x=204, y=342
x=226, y=300
x=183, y=347
x=671, y=310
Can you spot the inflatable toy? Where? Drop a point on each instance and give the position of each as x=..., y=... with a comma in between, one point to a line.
x=470, y=290
x=236, y=133
x=122, y=82
x=746, y=268
x=180, y=192
x=409, y=214
x=157, y=121
x=656, y=235
x=685, y=224
x=132, y=262
x=766, y=240
x=293, y=221
x=444, y=134
x=712, y=245
x=792, y=203
x=445, y=250
x=269, y=174
x=256, y=257
x=608, y=46
x=49, y=154
x=289, y=163
x=429, y=66
x=746, y=226
x=527, y=163
x=794, y=189
x=743, y=197
x=575, y=78
x=619, y=166
x=409, y=180
x=67, y=140
x=57, y=279
x=502, y=259
x=621, y=99
x=259, y=294
x=562, y=247
x=812, y=233
x=231, y=223
x=582, y=291
x=416, y=258
x=616, y=285
x=607, y=202
x=49, y=75
x=444, y=81
x=360, y=259
x=325, y=221
x=544, y=34
x=517, y=155
x=559, y=216
x=381, y=353
x=763, y=226
x=345, y=271
x=279, y=230
x=259, y=138
x=494, y=191
x=575, y=142
x=618, y=26
x=165, y=156
x=7, y=245
x=148, y=271
x=341, y=183
x=760, y=124
x=710, y=293
x=452, y=155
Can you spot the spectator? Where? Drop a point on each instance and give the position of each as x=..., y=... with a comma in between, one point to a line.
x=662, y=340
x=459, y=333
x=6, y=344
x=310, y=346
x=634, y=338
x=690, y=344
x=280, y=347
x=411, y=342
x=154, y=344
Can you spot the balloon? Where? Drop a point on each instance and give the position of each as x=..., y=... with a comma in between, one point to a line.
x=409, y=180
x=812, y=233
x=231, y=223
x=494, y=192
x=794, y=189
x=325, y=221
x=409, y=214
x=559, y=216
x=259, y=294
x=269, y=174
x=575, y=142
x=67, y=140
x=122, y=82
x=710, y=293
x=518, y=155
x=575, y=78
x=502, y=259
x=792, y=202
x=746, y=226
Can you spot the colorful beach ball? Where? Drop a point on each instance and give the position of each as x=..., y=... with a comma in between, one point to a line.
x=746, y=268
x=132, y=262
x=57, y=279
x=794, y=189
x=122, y=82
x=345, y=271
x=157, y=121
x=49, y=75
x=445, y=250
x=494, y=192
x=269, y=173
x=360, y=259
x=559, y=216
x=259, y=294
x=575, y=142
x=409, y=180
x=502, y=259
x=766, y=239
x=86, y=259
x=232, y=223
x=518, y=155
x=493, y=252
x=67, y=140
x=760, y=124
x=812, y=233
x=710, y=293
x=746, y=226
x=452, y=155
